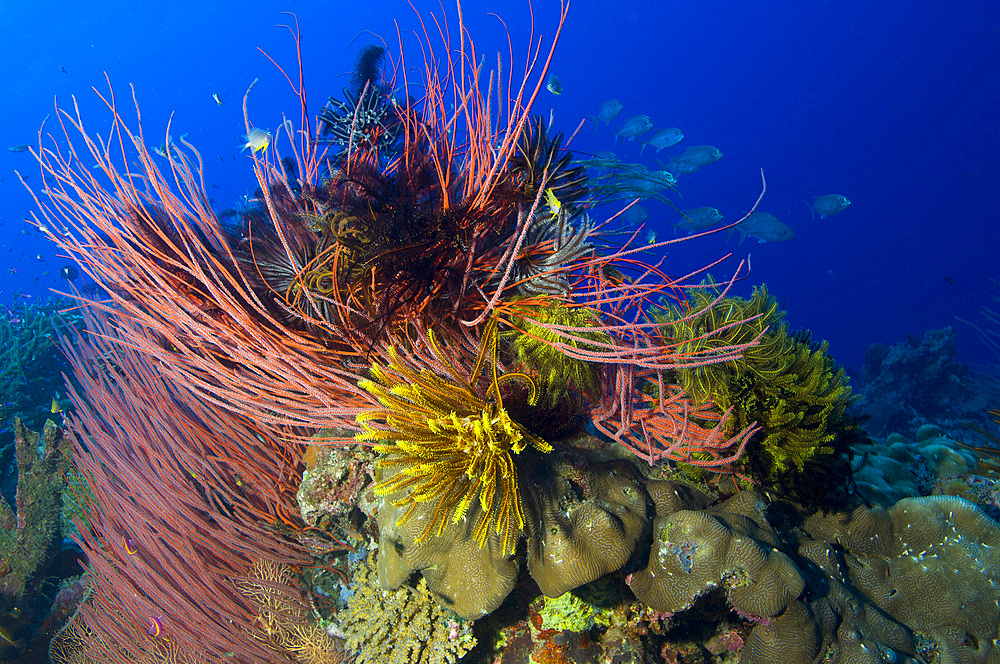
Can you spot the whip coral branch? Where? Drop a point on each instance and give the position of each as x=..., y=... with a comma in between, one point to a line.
x=179, y=494
x=177, y=292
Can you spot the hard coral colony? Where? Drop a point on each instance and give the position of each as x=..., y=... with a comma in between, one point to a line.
x=399, y=282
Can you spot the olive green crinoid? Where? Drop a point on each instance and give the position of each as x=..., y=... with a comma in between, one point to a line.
x=543, y=344
x=709, y=324
x=790, y=387
x=447, y=439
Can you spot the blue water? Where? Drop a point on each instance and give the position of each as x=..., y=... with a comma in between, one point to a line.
x=893, y=104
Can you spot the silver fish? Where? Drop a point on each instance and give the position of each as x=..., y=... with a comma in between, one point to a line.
x=694, y=158
x=635, y=215
x=634, y=126
x=698, y=219
x=829, y=204
x=651, y=182
x=764, y=227
x=608, y=111
x=664, y=138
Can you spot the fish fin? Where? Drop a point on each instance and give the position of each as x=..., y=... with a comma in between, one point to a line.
x=743, y=235
x=642, y=148
x=811, y=210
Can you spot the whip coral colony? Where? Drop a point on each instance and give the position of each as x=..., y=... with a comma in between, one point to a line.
x=396, y=280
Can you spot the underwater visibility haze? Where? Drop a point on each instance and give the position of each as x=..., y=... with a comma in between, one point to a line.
x=500, y=332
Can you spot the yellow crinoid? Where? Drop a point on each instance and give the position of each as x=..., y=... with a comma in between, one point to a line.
x=446, y=438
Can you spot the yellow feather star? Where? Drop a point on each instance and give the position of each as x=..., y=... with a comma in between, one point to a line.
x=447, y=443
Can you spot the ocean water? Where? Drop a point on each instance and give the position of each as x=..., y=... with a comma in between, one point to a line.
x=892, y=104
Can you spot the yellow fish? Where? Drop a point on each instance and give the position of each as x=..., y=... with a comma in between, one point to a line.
x=555, y=206
x=56, y=408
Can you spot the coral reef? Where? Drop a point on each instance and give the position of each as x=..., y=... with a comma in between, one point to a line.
x=901, y=468
x=334, y=483
x=729, y=547
x=32, y=561
x=401, y=626
x=31, y=365
x=917, y=382
x=583, y=522
x=416, y=286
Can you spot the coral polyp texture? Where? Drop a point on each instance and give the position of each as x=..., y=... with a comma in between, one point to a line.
x=422, y=283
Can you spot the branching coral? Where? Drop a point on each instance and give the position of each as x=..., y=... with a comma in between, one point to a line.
x=402, y=626
x=31, y=365
x=447, y=439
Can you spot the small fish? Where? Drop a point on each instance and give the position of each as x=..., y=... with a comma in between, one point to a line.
x=69, y=273
x=18, y=148
x=829, y=204
x=664, y=138
x=698, y=219
x=56, y=408
x=155, y=626
x=217, y=98
x=554, y=85
x=62, y=68
x=257, y=140
x=608, y=111
x=614, y=276
x=555, y=205
x=764, y=227
x=650, y=237
x=129, y=546
x=634, y=126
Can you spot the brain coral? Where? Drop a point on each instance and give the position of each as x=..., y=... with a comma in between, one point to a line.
x=930, y=563
x=583, y=522
x=733, y=547
x=917, y=580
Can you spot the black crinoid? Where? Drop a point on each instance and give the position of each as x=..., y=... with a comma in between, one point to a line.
x=538, y=151
x=366, y=117
x=274, y=252
x=410, y=246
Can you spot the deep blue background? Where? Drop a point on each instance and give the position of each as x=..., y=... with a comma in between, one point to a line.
x=893, y=104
